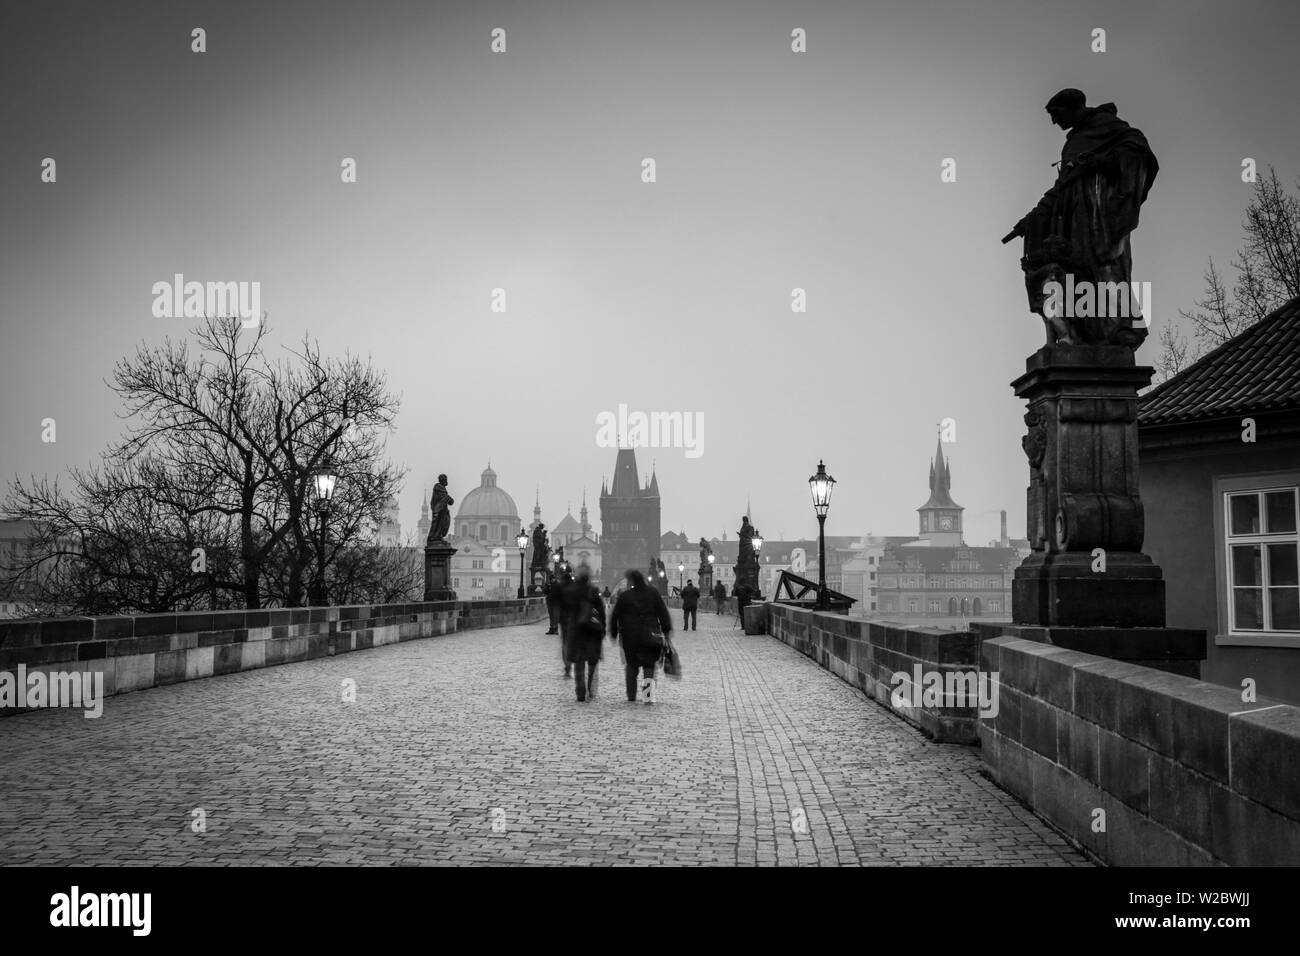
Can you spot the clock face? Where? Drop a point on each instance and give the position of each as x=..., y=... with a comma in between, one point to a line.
x=945, y=523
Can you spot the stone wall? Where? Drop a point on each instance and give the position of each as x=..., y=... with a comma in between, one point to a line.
x=868, y=655
x=149, y=650
x=1184, y=771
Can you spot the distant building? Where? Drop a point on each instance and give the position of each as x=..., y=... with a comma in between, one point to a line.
x=486, y=563
x=389, y=532
x=937, y=574
x=629, y=520
x=1220, y=480
x=487, y=514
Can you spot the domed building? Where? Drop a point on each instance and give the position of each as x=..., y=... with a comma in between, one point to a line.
x=487, y=514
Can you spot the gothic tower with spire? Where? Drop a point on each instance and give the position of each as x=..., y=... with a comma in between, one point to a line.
x=941, y=516
x=629, y=520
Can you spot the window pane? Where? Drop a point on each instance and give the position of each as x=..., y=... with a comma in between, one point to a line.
x=1246, y=605
x=1245, y=565
x=1280, y=506
x=1245, y=513
x=1281, y=565
x=1285, y=604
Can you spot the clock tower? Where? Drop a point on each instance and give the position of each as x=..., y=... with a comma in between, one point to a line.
x=941, y=516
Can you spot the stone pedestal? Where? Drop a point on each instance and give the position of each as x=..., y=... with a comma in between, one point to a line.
x=1087, y=584
x=437, y=568
x=1085, y=521
x=747, y=574
x=706, y=580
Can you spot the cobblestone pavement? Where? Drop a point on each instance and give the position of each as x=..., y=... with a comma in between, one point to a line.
x=471, y=749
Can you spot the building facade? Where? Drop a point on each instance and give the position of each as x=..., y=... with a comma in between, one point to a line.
x=629, y=520
x=936, y=574
x=1219, y=448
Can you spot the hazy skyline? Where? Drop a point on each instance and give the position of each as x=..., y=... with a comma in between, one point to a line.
x=522, y=171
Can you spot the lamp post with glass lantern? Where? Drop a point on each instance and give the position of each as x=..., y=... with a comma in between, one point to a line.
x=324, y=481
x=521, y=539
x=821, y=485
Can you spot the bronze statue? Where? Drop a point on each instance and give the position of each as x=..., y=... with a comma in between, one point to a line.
x=541, y=550
x=745, y=551
x=705, y=550
x=1078, y=234
x=440, y=511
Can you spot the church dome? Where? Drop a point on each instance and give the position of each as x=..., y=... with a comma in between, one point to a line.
x=487, y=500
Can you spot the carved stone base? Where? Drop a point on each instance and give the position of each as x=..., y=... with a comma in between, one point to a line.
x=437, y=567
x=1063, y=589
x=706, y=580
x=1172, y=649
x=747, y=574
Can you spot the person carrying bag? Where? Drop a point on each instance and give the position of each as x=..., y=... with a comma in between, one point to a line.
x=640, y=620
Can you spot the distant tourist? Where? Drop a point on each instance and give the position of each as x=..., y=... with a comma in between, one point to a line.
x=605, y=595
x=690, y=601
x=640, y=618
x=719, y=597
x=583, y=616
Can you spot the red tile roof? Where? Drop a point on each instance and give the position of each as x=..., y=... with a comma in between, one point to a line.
x=1258, y=370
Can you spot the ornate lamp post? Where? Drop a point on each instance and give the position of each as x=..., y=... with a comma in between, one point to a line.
x=681, y=574
x=821, y=485
x=324, y=482
x=521, y=539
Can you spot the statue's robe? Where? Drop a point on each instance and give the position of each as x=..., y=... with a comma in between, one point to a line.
x=1081, y=226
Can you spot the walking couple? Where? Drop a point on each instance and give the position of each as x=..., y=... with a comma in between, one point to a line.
x=640, y=619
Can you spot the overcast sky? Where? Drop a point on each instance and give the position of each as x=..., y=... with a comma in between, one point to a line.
x=522, y=171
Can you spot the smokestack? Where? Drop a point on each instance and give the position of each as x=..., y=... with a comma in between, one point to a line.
x=1005, y=542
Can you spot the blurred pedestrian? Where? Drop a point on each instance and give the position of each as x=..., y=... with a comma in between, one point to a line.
x=690, y=602
x=640, y=619
x=719, y=597
x=556, y=603
x=583, y=615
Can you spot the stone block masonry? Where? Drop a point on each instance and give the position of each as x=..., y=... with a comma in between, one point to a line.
x=150, y=650
x=1142, y=767
x=868, y=655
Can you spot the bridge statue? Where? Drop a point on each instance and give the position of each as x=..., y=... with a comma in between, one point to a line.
x=1078, y=234
x=440, y=508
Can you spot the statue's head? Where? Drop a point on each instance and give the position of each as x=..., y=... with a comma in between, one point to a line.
x=442, y=479
x=1066, y=107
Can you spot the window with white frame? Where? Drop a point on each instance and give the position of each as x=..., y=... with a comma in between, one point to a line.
x=1262, y=551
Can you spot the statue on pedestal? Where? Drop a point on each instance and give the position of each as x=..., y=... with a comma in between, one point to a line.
x=1077, y=237
x=541, y=550
x=705, y=550
x=440, y=511
x=745, y=551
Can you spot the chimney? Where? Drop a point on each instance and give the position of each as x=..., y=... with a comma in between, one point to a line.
x=1005, y=542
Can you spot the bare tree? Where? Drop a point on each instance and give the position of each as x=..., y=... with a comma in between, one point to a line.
x=1268, y=275
x=221, y=451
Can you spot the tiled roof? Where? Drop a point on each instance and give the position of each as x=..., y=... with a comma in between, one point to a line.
x=1258, y=370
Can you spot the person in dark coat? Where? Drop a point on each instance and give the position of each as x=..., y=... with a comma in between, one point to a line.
x=555, y=603
x=583, y=614
x=742, y=594
x=719, y=597
x=690, y=602
x=552, y=591
x=640, y=619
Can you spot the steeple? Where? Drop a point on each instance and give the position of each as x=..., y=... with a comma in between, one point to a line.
x=653, y=488
x=537, y=509
x=940, y=516
x=586, y=525
x=627, y=484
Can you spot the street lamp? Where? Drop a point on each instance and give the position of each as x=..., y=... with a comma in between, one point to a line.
x=821, y=485
x=521, y=539
x=681, y=574
x=758, y=543
x=325, y=480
